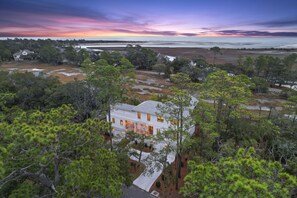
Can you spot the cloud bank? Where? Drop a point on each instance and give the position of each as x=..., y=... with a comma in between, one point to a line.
x=90, y=18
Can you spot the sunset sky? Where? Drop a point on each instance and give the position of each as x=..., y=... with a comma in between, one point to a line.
x=114, y=18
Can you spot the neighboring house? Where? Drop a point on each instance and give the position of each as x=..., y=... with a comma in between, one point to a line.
x=144, y=118
x=20, y=55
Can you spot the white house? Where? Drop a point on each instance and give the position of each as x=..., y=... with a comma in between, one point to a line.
x=21, y=54
x=144, y=118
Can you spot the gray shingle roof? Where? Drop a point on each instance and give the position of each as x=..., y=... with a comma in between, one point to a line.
x=148, y=106
x=20, y=52
x=124, y=107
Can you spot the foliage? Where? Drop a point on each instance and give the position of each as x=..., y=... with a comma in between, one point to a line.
x=183, y=81
x=126, y=68
x=176, y=110
x=216, y=50
x=49, y=54
x=159, y=97
x=241, y=176
x=105, y=77
x=141, y=58
x=180, y=62
x=248, y=64
x=81, y=95
x=75, y=57
x=112, y=58
x=228, y=92
x=46, y=149
x=158, y=184
x=160, y=68
x=111, y=81
x=30, y=92
x=139, y=138
x=261, y=85
x=93, y=174
x=201, y=147
x=248, y=129
x=5, y=53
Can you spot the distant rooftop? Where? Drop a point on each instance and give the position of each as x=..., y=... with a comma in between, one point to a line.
x=20, y=52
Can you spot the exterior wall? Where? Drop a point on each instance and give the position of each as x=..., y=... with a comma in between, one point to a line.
x=119, y=115
x=153, y=122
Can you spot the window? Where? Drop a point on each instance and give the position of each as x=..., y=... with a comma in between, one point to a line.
x=113, y=120
x=139, y=115
x=148, y=117
x=121, y=122
x=160, y=119
x=151, y=130
x=158, y=131
x=174, y=122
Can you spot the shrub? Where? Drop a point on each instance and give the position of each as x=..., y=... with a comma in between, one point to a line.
x=158, y=184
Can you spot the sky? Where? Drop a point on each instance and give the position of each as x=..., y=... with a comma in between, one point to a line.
x=120, y=18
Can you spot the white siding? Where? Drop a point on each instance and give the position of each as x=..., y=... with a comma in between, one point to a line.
x=119, y=115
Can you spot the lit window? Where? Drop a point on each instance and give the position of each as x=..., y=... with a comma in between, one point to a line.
x=113, y=120
x=121, y=122
x=158, y=130
x=160, y=119
x=148, y=117
x=174, y=122
x=139, y=115
x=151, y=130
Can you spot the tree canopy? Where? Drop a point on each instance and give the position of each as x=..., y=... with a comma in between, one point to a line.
x=243, y=175
x=43, y=153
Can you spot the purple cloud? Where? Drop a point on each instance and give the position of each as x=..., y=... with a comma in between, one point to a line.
x=255, y=33
x=279, y=23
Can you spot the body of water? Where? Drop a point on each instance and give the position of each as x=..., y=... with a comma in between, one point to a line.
x=202, y=42
x=192, y=42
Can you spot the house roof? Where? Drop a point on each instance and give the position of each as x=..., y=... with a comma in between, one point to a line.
x=148, y=106
x=28, y=51
x=125, y=107
x=19, y=53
